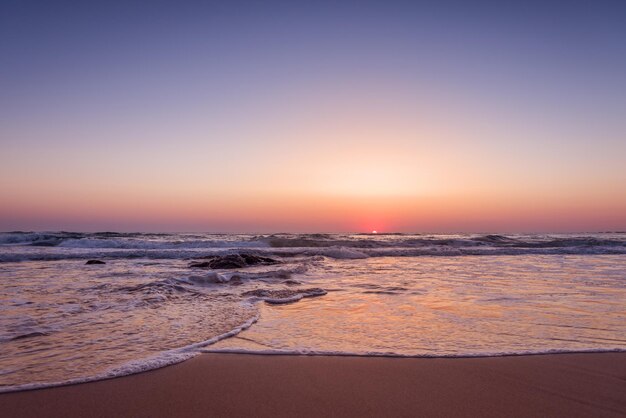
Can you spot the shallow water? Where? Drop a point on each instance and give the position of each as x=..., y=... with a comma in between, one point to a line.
x=436, y=306
x=424, y=295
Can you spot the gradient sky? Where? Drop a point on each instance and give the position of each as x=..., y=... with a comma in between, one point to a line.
x=339, y=116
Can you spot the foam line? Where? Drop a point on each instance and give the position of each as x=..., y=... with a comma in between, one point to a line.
x=157, y=361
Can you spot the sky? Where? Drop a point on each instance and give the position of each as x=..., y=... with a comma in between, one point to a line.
x=321, y=116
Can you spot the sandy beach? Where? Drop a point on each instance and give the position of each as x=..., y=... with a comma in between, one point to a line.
x=571, y=385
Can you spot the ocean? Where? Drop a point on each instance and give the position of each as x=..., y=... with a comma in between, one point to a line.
x=159, y=299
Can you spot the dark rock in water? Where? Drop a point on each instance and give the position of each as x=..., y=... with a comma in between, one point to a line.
x=95, y=262
x=233, y=261
x=203, y=265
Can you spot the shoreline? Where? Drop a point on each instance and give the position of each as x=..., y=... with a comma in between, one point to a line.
x=182, y=355
x=564, y=384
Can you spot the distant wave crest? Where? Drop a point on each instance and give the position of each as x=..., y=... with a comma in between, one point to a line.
x=25, y=246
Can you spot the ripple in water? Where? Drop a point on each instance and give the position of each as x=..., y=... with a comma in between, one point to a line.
x=65, y=321
x=161, y=298
x=451, y=306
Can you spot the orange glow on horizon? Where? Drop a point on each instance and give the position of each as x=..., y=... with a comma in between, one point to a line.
x=317, y=214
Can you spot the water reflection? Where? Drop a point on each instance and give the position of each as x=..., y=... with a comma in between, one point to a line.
x=453, y=306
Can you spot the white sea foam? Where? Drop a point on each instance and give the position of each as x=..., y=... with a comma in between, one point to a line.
x=432, y=296
x=156, y=245
x=313, y=352
x=165, y=358
x=339, y=253
x=284, y=296
x=20, y=253
x=214, y=277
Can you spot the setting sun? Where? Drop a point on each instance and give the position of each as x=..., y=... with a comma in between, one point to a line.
x=190, y=183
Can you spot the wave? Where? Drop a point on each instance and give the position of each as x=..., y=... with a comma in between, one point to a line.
x=20, y=253
x=238, y=277
x=283, y=296
x=114, y=240
x=309, y=352
x=165, y=358
x=499, y=241
x=179, y=355
x=154, y=293
x=142, y=244
x=199, y=287
x=340, y=253
x=40, y=246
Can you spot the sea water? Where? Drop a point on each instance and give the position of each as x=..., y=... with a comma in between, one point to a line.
x=63, y=321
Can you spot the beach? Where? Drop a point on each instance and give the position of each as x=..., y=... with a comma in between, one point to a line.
x=312, y=209
x=310, y=325
x=572, y=385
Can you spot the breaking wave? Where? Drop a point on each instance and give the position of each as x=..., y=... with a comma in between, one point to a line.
x=309, y=352
x=171, y=241
x=165, y=358
x=139, y=241
x=16, y=253
x=190, y=306
x=199, y=289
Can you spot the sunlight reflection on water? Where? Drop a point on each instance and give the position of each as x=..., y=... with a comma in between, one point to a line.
x=453, y=306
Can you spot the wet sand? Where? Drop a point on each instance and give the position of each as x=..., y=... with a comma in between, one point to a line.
x=233, y=385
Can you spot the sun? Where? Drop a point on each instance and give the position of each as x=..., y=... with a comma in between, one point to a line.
x=374, y=232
